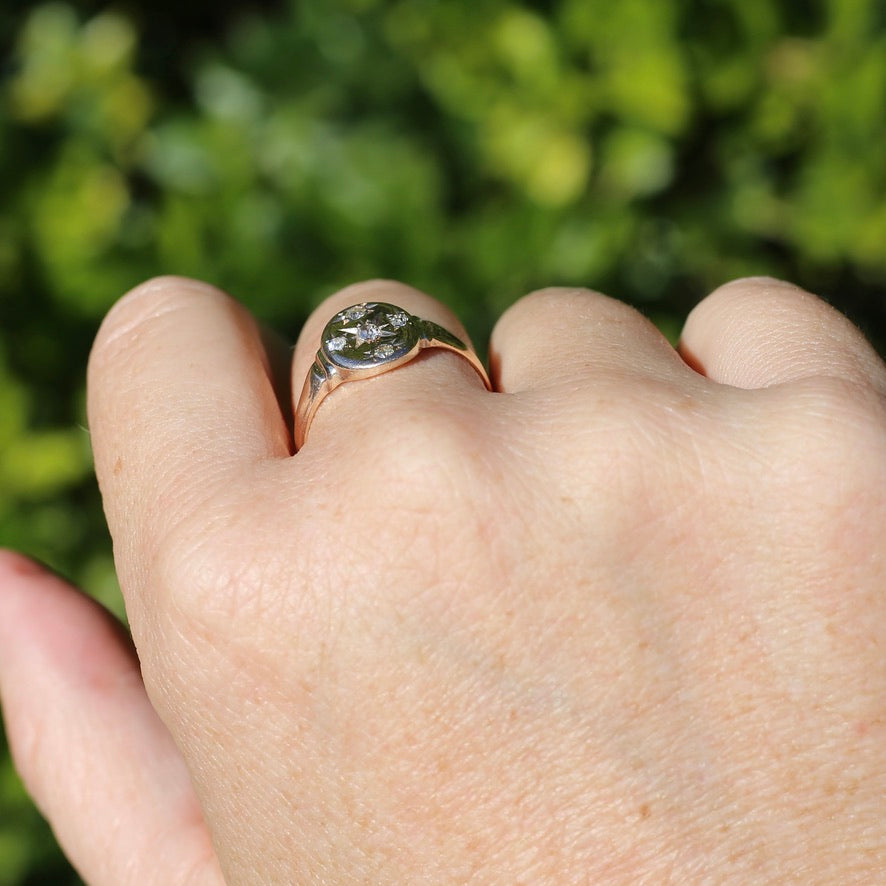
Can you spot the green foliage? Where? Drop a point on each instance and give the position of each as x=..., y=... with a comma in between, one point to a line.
x=648, y=148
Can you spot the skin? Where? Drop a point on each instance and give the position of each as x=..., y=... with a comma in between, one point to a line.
x=620, y=621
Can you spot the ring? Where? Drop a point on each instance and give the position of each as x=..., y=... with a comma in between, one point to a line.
x=366, y=340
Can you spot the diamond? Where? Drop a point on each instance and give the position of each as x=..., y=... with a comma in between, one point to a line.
x=383, y=352
x=398, y=320
x=357, y=312
x=370, y=331
x=336, y=344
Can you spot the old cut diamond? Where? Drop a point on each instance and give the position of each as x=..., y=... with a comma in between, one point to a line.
x=336, y=344
x=398, y=320
x=370, y=331
x=357, y=312
x=383, y=352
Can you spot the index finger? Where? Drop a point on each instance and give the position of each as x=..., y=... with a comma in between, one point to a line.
x=181, y=404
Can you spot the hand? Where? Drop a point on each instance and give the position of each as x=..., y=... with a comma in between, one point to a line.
x=621, y=621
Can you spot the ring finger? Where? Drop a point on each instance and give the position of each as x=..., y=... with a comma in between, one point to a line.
x=437, y=377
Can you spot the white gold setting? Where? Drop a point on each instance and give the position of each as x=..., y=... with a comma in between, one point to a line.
x=364, y=334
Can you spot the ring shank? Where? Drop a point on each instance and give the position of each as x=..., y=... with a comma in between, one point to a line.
x=434, y=336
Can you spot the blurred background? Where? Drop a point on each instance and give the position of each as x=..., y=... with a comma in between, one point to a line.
x=651, y=149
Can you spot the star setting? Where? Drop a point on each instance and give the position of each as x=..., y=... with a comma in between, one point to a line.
x=369, y=333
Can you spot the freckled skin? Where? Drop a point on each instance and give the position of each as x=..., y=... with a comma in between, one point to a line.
x=619, y=621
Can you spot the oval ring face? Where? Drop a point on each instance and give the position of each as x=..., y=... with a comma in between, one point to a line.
x=368, y=335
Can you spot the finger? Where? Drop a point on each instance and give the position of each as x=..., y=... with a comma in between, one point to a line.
x=434, y=378
x=181, y=401
x=87, y=743
x=279, y=356
x=567, y=336
x=756, y=332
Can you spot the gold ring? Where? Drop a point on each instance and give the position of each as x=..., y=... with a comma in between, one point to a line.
x=366, y=340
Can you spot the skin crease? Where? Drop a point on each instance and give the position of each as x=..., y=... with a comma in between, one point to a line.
x=620, y=621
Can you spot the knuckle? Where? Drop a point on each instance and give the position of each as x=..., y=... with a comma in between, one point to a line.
x=559, y=310
x=755, y=286
x=756, y=281
x=839, y=407
x=146, y=303
x=229, y=581
x=555, y=301
x=744, y=295
x=561, y=295
x=203, y=578
x=375, y=286
x=833, y=442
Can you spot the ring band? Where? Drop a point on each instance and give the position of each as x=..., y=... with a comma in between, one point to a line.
x=366, y=340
